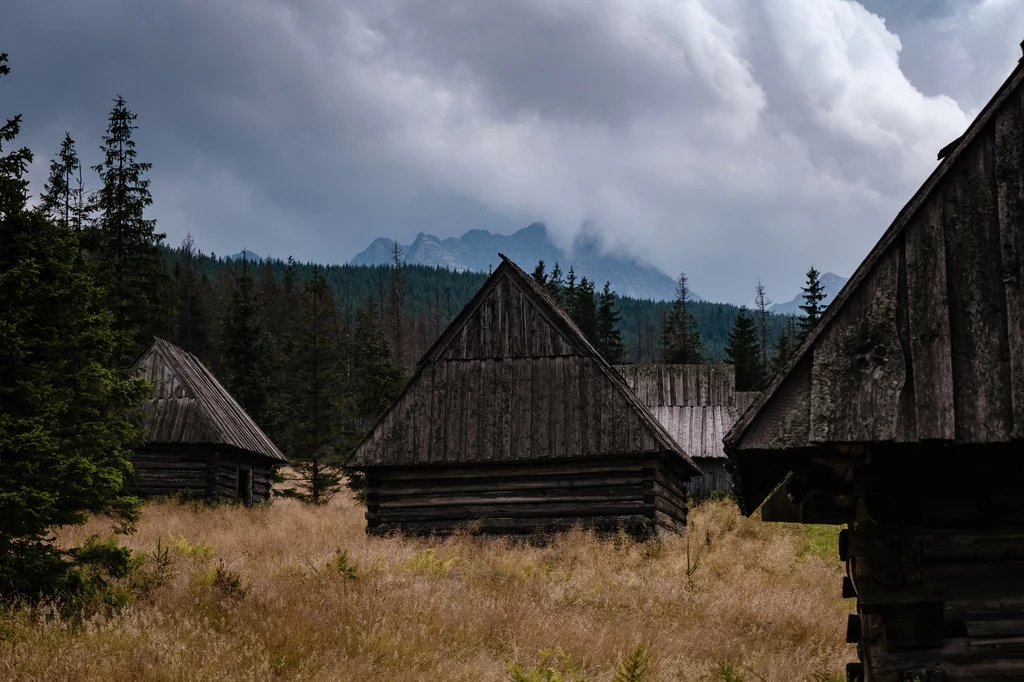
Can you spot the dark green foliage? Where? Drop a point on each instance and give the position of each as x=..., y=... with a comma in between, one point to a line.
x=378, y=378
x=319, y=409
x=744, y=351
x=13, y=164
x=246, y=354
x=554, y=284
x=58, y=199
x=609, y=339
x=785, y=344
x=583, y=308
x=539, y=275
x=64, y=428
x=813, y=294
x=124, y=247
x=680, y=338
x=191, y=287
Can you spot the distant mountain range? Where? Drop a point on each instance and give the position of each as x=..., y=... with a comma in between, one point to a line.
x=477, y=250
x=832, y=282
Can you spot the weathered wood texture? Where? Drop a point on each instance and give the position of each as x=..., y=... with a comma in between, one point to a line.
x=926, y=342
x=199, y=472
x=697, y=404
x=189, y=405
x=513, y=379
x=715, y=478
x=602, y=493
x=938, y=570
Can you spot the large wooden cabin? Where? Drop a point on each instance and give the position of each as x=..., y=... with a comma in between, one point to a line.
x=199, y=442
x=902, y=416
x=514, y=423
x=697, y=405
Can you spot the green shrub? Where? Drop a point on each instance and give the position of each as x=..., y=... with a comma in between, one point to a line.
x=634, y=666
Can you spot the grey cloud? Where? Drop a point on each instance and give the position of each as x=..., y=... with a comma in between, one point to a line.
x=732, y=139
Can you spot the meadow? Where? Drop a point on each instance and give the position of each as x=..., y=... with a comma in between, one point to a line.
x=288, y=591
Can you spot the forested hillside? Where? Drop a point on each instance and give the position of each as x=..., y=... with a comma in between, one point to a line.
x=434, y=295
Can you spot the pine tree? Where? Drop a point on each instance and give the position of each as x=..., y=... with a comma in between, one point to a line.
x=813, y=294
x=538, y=274
x=569, y=301
x=680, y=338
x=609, y=339
x=555, y=285
x=397, y=303
x=124, y=246
x=14, y=164
x=585, y=309
x=761, y=301
x=378, y=378
x=65, y=427
x=782, y=349
x=744, y=352
x=58, y=198
x=246, y=354
x=319, y=409
x=191, y=324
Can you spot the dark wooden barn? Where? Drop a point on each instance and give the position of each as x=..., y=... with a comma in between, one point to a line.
x=515, y=423
x=697, y=405
x=199, y=441
x=902, y=416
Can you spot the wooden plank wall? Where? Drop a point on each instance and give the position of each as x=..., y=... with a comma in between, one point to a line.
x=715, y=479
x=676, y=385
x=602, y=493
x=508, y=409
x=931, y=344
x=196, y=472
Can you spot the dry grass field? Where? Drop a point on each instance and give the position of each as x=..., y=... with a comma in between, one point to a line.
x=315, y=599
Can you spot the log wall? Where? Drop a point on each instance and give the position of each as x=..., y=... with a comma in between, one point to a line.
x=601, y=493
x=199, y=472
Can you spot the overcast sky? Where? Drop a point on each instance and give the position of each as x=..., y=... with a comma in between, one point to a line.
x=728, y=138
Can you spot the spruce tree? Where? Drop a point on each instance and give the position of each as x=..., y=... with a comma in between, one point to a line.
x=190, y=332
x=680, y=338
x=319, y=410
x=782, y=349
x=397, y=294
x=13, y=164
x=585, y=309
x=245, y=351
x=813, y=294
x=124, y=247
x=761, y=301
x=58, y=198
x=538, y=274
x=744, y=351
x=65, y=427
x=555, y=285
x=609, y=339
x=569, y=301
x=378, y=378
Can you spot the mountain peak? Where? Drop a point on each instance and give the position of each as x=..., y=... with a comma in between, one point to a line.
x=832, y=283
x=477, y=250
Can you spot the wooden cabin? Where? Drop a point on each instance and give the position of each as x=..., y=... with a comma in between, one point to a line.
x=697, y=405
x=199, y=442
x=514, y=423
x=902, y=417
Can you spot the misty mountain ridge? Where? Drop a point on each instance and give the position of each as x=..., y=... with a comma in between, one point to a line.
x=477, y=251
x=247, y=255
x=832, y=282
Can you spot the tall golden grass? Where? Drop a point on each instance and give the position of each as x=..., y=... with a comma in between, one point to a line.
x=763, y=603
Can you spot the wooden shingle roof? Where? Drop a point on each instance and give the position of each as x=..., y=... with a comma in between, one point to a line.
x=512, y=378
x=925, y=343
x=188, y=405
x=697, y=404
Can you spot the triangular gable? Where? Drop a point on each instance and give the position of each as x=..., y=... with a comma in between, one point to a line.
x=512, y=379
x=925, y=342
x=189, y=405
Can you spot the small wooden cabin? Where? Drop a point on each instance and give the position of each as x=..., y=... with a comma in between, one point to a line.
x=902, y=417
x=514, y=423
x=697, y=405
x=199, y=442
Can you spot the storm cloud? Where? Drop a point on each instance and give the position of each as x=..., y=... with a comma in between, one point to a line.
x=732, y=139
